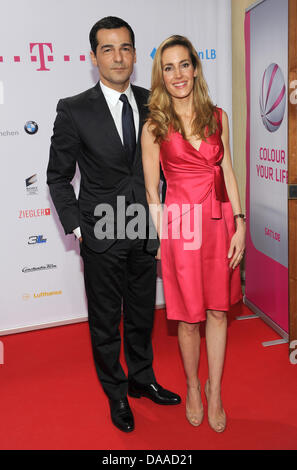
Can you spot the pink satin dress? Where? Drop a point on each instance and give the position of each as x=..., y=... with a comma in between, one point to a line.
x=198, y=225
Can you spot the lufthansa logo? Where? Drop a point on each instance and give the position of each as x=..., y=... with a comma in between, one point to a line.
x=31, y=127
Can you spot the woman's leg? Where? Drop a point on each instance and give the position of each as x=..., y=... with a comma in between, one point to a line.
x=216, y=336
x=189, y=342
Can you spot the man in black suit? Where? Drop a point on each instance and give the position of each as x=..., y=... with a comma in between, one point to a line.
x=100, y=129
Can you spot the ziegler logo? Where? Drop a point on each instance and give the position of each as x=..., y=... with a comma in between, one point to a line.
x=28, y=214
x=42, y=53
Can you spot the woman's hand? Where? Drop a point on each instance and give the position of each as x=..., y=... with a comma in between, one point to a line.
x=158, y=255
x=237, y=247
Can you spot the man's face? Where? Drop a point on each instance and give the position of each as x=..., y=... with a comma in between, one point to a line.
x=115, y=57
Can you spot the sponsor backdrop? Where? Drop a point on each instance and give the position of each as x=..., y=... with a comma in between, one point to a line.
x=44, y=55
x=266, y=30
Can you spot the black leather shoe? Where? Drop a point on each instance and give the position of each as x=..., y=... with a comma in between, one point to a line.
x=121, y=414
x=154, y=392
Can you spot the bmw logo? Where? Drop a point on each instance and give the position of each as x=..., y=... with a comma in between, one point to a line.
x=31, y=127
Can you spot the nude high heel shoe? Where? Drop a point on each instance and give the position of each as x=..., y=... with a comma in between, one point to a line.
x=220, y=424
x=195, y=419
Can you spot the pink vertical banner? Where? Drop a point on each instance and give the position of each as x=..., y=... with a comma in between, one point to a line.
x=266, y=41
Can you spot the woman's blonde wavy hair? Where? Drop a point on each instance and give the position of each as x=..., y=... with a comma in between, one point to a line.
x=161, y=110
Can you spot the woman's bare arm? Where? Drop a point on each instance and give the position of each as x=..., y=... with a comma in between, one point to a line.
x=151, y=169
x=237, y=245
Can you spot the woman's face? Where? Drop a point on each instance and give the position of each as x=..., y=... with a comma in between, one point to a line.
x=178, y=71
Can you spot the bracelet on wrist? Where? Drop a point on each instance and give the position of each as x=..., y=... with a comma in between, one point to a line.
x=239, y=216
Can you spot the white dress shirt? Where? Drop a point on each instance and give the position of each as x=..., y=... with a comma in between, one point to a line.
x=115, y=106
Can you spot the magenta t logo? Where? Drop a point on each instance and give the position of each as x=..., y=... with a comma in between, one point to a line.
x=41, y=46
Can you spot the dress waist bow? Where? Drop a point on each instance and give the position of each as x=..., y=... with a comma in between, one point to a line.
x=219, y=192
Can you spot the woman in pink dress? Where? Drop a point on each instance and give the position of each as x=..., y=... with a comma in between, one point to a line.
x=201, y=227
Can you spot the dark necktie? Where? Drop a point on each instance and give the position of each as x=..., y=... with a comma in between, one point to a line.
x=129, y=135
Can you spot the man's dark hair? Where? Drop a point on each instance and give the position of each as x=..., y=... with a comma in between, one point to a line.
x=109, y=22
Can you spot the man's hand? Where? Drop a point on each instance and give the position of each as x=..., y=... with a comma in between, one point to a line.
x=158, y=255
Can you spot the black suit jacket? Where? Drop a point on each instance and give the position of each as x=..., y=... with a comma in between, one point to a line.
x=85, y=133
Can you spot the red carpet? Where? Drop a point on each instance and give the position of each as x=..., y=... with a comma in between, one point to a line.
x=51, y=398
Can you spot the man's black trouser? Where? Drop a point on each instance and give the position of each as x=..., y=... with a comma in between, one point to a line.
x=124, y=273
